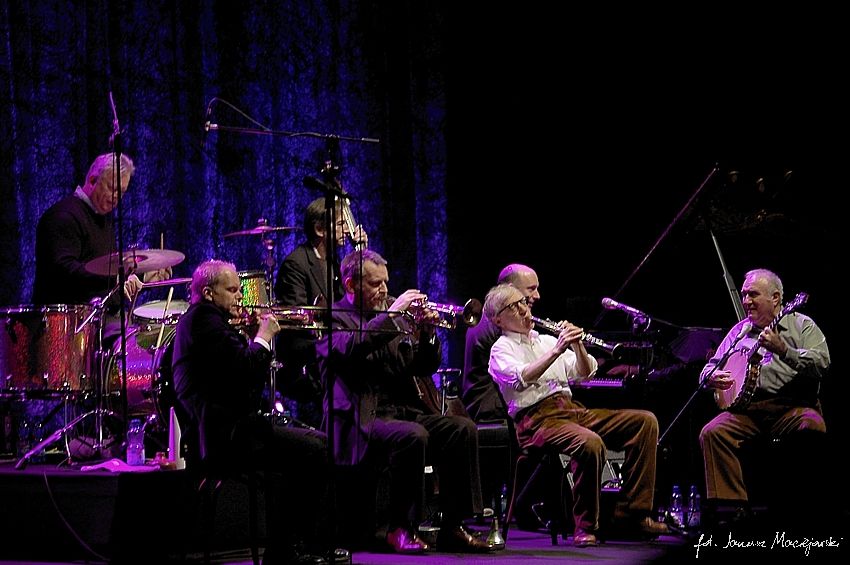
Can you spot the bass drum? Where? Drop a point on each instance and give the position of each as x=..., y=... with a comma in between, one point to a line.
x=149, y=385
x=41, y=353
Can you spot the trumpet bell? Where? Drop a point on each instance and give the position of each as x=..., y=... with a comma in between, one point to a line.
x=469, y=313
x=472, y=312
x=494, y=537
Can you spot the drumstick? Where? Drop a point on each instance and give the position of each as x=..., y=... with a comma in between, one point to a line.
x=164, y=313
x=162, y=240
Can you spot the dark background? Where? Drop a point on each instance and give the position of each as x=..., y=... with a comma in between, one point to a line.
x=567, y=140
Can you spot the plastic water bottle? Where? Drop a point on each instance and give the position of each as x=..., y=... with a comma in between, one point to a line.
x=676, y=510
x=693, y=508
x=135, y=443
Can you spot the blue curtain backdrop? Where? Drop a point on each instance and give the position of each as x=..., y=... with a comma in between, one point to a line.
x=347, y=68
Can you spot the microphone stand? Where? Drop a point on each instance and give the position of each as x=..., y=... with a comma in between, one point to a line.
x=721, y=362
x=98, y=314
x=115, y=141
x=663, y=235
x=332, y=191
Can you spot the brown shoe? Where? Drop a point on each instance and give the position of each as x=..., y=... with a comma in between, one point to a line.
x=458, y=540
x=582, y=538
x=650, y=527
x=403, y=541
x=646, y=526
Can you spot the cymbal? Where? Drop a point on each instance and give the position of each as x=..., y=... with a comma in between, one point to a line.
x=260, y=230
x=136, y=261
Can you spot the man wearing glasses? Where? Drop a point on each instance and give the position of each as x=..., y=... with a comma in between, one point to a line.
x=533, y=373
x=480, y=395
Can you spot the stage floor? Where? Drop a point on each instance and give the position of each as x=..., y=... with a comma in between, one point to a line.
x=523, y=547
x=63, y=516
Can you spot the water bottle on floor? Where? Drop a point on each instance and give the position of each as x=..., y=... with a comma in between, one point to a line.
x=694, y=504
x=676, y=509
x=135, y=443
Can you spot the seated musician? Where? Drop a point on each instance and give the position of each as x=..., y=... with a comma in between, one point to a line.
x=78, y=229
x=533, y=372
x=302, y=281
x=785, y=403
x=480, y=396
x=372, y=357
x=218, y=376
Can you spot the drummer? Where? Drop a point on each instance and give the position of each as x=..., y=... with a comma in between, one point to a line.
x=77, y=229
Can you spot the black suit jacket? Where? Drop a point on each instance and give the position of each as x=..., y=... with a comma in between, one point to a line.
x=481, y=396
x=218, y=377
x=301, y=280
x=373, y=365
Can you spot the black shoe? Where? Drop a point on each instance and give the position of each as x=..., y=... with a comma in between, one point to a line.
x=341, y=556
x=291, y=556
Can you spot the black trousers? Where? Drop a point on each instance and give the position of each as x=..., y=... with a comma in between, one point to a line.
x=450, y=443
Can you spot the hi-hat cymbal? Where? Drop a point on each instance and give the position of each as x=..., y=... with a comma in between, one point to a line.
x=136, y=261
x=260, y=230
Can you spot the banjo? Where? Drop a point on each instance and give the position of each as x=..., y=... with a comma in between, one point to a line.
x=745, y=364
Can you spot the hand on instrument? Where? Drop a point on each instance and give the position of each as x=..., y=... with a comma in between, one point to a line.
x=269, y=327
x=132, y=286
x=720, y=380
x=359, y=237
x=569, y=335
x=771, y=341
x=158, y=275
x=402, y=303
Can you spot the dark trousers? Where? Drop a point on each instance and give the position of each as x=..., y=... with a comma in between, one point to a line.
x=585, y=434
x=298, y=458
x=448, y=442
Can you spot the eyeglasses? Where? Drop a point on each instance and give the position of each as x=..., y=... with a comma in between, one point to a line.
x=515, y=305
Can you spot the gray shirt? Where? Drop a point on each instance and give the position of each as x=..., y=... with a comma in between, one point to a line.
x=807, y=355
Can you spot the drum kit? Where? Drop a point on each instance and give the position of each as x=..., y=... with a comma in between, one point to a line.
x=57, y=353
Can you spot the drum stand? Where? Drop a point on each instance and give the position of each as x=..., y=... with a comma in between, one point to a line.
x=100, y=410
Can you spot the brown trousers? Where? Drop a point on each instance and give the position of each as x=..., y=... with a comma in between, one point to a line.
x=584, y=434
x=722, y=438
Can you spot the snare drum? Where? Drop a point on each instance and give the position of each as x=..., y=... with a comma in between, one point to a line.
x=40, y=351
x=255, y=291
x=155, y=312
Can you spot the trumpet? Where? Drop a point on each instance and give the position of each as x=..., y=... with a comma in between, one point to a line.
x=289, y=318
x=613, y=349
x=469, y=313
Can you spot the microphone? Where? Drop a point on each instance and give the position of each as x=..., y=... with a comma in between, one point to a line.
x=611, y=304
x=207, y=126
x=745, y=329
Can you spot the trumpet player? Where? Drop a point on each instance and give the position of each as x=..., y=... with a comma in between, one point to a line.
x=217, y=376
x=302, y=281
x=378, y=417
x=533, y=373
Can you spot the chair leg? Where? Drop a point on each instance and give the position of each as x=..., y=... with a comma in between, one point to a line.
x=208, y=490
x=252, y=519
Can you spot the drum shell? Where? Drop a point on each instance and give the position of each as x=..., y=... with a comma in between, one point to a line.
x=255, y=291
x=148, y=370
x=40, y=351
